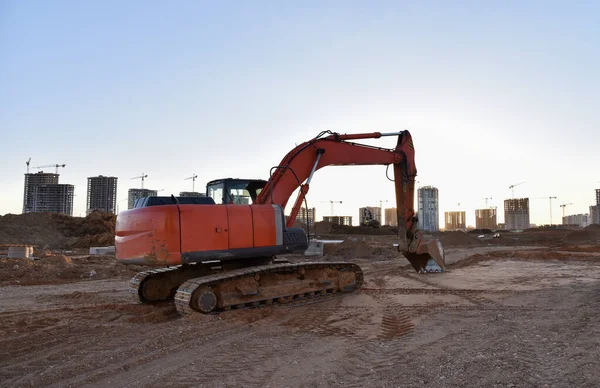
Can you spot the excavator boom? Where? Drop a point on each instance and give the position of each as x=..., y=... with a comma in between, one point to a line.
x=300, y=164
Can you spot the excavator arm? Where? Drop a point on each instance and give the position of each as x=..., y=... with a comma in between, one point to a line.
x=299, y=165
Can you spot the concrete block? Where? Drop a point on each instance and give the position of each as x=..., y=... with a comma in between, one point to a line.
x=315, y=248
x=101, y=250
x=20, y=252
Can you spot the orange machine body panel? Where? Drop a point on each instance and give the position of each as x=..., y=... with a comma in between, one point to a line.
x=240, y=231
x=264, y=225
x=204, y=227
x=162, y=235
x=148, y=235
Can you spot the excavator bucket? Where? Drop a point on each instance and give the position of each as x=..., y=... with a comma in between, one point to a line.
x=427, y=257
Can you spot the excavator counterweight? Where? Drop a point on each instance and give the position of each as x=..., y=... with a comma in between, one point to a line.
x=224, y=250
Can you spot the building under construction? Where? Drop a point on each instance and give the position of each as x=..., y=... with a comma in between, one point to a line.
x=135, y=194
x=516, y=213
x=43, y=193
x=307, y=216
x=391, y=217
x=428, y=214
x=486, y=218
x=101, y=194
x=338, y=220
x=456, y=220
x=32, y=180
x=53, y=198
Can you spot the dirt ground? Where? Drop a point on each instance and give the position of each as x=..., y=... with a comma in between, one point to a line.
x=512, y=315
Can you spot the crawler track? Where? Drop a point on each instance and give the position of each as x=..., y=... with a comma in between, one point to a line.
x=266, y=285
x=160, y=284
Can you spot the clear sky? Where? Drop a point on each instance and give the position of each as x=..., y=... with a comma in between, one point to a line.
x=494, y=93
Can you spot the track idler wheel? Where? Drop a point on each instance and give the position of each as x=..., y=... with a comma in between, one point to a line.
x=203, y=300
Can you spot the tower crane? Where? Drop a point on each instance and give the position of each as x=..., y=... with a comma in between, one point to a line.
x=550, y=198
x=27, y=163
x=193, y=178
x=486, y=200
x=564, y=205
x=143, y=176
x=512, y=187
x=332, y=202
x=50, y=165
x=381, y=212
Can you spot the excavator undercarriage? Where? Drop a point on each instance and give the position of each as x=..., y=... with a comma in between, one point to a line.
x=207, y=288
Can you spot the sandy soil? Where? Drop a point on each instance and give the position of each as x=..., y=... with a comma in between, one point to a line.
x=500, y=317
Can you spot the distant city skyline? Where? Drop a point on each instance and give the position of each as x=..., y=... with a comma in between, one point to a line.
x=493, y=93
x=355, y=214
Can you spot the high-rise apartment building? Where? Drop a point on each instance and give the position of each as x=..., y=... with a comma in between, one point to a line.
x=369, y=213
x=53, y=198
x=307, y=216
x=486, y=218
x=580, y=220
x=135, y=194
x=391, y=217
x=428, y=213
x=594, y=214
x=456, y=220
x=101, y=194
x=516, y=213
x=594, y=217
x=32, y=180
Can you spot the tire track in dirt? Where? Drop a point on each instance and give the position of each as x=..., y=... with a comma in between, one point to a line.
x=177, y=341
x=395, y=324
x=78, y=340
x=252, y=353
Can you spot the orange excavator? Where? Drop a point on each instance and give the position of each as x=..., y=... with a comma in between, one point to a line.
x=224, y=250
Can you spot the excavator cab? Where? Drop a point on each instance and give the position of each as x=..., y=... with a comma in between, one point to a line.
x=235, y=190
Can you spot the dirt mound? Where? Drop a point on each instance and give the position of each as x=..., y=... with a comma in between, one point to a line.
x=56, y=269
x=356, y=247
x=457, y=239
x=590, y=233
x=52, y=230
x=323, y=227
x=480, y=231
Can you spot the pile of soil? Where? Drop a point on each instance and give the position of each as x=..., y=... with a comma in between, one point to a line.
x=590, y=233
x=58, y=231
x=457, y=239
x=481, y=231
x=323, y=227
x=355, y=247
x=54, y=269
